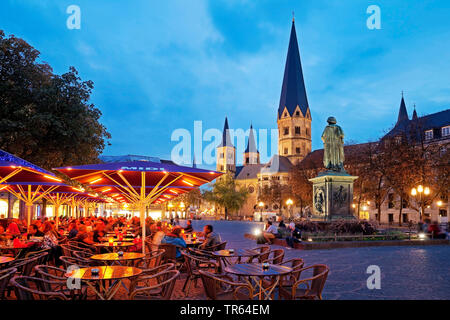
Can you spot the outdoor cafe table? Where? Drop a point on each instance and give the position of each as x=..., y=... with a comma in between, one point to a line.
x=226, y=255
x=128, y=258
x=254, y=275
x=193, y=243
x=4, y=259
x=112, y=275
x=115, y=246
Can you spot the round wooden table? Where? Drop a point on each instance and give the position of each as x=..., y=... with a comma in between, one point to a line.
x=115, y=246
x=193, y=243
x=114, y=275
x=254, y=275
x=4, y=259
x=128, y=258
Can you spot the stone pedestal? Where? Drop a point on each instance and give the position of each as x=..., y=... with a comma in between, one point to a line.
x=333, y=196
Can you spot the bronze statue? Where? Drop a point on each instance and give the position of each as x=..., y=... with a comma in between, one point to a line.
x=333, y=145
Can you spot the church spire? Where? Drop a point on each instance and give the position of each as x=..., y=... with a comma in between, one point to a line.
x=251, y=144
x=403, y=113
x=293, y=92
x=226, y=139
x=414, y=116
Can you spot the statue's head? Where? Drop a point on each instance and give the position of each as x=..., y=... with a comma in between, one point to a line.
x=332, y=120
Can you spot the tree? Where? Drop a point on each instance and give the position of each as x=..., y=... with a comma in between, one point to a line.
x=275, y=193
x=225, y=193
x=301, y=187
x=46, y=118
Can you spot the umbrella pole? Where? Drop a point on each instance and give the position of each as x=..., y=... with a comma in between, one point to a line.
x=29, y=206
x=142, y=216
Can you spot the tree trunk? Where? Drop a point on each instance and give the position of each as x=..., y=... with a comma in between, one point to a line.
x=226, y=213
x=400, y=212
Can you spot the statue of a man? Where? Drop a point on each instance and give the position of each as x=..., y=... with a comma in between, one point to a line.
x=333, y=144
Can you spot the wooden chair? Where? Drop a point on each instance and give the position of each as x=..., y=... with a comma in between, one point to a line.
x=84, y=255
x=217, y=247
x=263, y=254
x=158, y=286
x=5, y=276
x=152, y=259
x=25, y=266
x=313, y=286
x=193, y=264
x=55, y=274
x=31, y=288
x=222, y=287
x=275, y=256
x=70, y=261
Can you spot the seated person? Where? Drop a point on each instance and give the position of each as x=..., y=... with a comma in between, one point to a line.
x=13, y=228
x=33, y=231
x=211, y=238
x=176, y=239
x=295, y=237
x=73, y=230
x=83, y=235
x=436, y=231
x=99, y=232
x=271, y=231
x=189, y=227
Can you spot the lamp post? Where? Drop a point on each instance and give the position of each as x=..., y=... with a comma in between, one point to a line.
x=289, y=203
x=419, y=191
x=170, y=206
x=261, y=206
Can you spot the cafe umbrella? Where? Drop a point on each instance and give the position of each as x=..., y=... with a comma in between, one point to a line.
x=140, y=183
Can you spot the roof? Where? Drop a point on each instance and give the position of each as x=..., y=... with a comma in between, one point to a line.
x=251, y=144
x=293, y=91
x=226, y=139
x=131, y=158
x=277, y=164
x=8, y=159
x=248, y=172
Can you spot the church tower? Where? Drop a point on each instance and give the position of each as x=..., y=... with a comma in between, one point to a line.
x=251, y=154
x=294, y=116
x=226, y=153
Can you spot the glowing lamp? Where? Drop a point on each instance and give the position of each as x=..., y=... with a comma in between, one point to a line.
x=420, y=188
x=426, y=191
x=413, y=192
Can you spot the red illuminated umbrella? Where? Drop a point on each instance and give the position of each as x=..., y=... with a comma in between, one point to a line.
x=139, y=182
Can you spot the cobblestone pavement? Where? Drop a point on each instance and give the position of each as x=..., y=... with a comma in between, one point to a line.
x=406, y=272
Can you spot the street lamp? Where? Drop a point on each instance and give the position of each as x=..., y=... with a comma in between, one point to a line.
x=419, y=191
x=289, y=203
x=261, y=206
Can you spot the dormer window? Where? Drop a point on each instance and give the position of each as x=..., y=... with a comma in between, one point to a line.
x=428, y=134
x=285, y=114
x=445, y=131
x=297, y=113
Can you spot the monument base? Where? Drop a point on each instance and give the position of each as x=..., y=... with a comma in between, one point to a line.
x=333, y=196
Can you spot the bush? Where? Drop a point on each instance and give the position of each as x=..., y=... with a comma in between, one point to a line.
x=339, y=227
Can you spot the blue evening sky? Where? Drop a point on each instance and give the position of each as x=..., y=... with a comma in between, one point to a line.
x=161, y=65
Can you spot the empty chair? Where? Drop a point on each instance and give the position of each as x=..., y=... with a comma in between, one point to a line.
x=222, y=287
x=275, y=256
x=74, y=261
x=217, y=247
x=5, y=276
x=31, y=288
x=152, y=259
x=263, y=254
x=193, y=264
x=309, y=288
x=158, y=286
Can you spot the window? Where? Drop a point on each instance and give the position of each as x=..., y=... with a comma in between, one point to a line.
x=221, y=155
x=307, y=131
x=405, y=204
x=391, y=201
x=221, y=168
x=391, y=217
x=446, y=131
x=428, y=134
x=285, y=150
x=443, y=213
x=286, y=131
x=251, y=189
x=297, y=113
x=247, y=160
x=297, y=150
x=297, y=130
x=285, y=114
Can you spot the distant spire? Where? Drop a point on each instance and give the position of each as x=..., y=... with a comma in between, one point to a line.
x=226, y=139
x=251, y=144
x=293, y=16
x=293, y=91
x=414, y=116
x=403, y=113
x=194, y=164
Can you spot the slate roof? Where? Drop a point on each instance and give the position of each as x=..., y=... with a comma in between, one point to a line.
x=226, y=139
x=293, y=91
x=251, y=144
x=277, y=164
x=248, y=172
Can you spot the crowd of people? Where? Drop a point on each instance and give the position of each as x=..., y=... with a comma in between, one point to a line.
x=92, y=230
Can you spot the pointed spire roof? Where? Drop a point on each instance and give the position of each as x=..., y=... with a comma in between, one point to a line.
x=226, y=139
x=403, y=113
x=251, y=144
x=293, y=91
x=414, y=116
x=194, y=164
